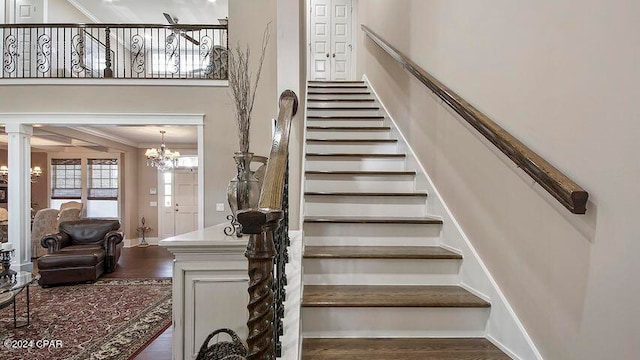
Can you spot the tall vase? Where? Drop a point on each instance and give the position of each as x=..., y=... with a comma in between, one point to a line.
x=243, y=191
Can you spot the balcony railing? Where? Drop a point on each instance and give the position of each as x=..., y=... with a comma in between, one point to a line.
x=124, y=51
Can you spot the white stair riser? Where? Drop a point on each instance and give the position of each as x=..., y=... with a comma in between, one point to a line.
x=394, y=322
x=354, y=164
x=323, y=112
x=329, y=234
x=381, y=271
x=347, y=134
x=353, y=148
x=359, y=183
x=345, y=122
x=365, y=205
x=345, y=104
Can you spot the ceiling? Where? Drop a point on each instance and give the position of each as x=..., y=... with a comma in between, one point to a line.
x=143, y=136
x=64, y=139
x=150, y=11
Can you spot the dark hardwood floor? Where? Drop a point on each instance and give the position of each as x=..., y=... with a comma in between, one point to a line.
x=149, y=262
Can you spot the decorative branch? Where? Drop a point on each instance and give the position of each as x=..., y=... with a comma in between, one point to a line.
x=242, y=90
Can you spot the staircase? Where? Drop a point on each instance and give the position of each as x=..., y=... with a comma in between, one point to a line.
x=377, y=282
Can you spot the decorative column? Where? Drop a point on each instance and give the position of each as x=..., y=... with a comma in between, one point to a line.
x=19, y=197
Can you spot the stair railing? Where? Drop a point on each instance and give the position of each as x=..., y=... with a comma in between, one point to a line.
x=268, y=239
x=118, y=51
x=560, y=186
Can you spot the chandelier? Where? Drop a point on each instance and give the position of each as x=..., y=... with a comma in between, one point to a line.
x=35, y=172
x=163, y=159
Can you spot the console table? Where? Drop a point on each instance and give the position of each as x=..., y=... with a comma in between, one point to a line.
x=210, y=284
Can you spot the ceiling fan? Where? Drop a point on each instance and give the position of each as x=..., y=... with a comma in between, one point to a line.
x=174, y=21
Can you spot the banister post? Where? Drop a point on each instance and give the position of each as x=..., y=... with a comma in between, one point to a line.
x=260, y=224
x=108, y=72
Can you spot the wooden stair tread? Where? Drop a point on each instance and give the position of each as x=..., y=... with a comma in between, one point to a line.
x=363, y=173
x=347, y=117
x=389, y=296
x=379, y=252
x=400, y=348
x=337, y=86
x=338, y=93
x=358, y=193
x=354, y=155
x=353, y=140
x=340, y=100
x=372, y=220
x=350, y=128
x=338, y=108
x=336, y=82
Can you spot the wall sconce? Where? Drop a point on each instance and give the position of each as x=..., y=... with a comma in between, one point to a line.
x=35, y=172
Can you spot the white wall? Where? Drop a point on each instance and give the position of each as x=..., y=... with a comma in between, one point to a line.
x=561, y=76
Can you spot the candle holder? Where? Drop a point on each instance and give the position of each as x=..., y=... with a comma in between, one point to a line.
x=6, y=274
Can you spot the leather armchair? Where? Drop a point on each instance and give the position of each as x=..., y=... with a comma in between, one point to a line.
x=93, y=235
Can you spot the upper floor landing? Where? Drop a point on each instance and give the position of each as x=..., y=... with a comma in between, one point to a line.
x=45, y=40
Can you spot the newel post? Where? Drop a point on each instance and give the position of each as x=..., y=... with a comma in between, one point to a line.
x=108, y=72
x=260, y=224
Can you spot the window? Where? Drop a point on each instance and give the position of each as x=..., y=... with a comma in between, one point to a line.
x=188, y=161
x=102, y=179
x=66, y=179
x=168, y=185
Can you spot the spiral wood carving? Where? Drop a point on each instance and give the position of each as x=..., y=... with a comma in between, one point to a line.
x=260, y=307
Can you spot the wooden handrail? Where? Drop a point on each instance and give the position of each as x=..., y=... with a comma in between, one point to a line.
x=261, y=224
x=561, y=187
x=273, y=185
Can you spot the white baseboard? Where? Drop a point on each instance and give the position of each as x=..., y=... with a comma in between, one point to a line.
x=135, y=241
x=504, y=328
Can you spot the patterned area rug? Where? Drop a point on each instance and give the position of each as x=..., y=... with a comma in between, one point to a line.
x=110, y=319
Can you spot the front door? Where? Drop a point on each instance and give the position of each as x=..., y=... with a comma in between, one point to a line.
x=330, y=40
x=186, y=202
x=178, y=211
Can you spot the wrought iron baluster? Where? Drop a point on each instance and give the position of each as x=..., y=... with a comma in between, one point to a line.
x=108, y=72
x=10, y=54
x=43, y=44
x=34, y=51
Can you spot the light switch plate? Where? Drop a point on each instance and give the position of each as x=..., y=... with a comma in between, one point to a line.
x=220, y=207
x=153, y=191
x=153, y=203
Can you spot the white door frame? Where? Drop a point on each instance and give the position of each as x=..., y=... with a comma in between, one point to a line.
x=82, y=119
x=161, y=193
x=354, y=38
x=3, y=18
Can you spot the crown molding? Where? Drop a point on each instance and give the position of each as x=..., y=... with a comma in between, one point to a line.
x=106, y=135
x=81, y=119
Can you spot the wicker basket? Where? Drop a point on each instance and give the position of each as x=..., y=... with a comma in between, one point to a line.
x=223, y=350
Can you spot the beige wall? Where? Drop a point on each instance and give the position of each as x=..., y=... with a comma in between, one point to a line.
x=147, y=178
x=247, y=21
x=39, y=195
x=61, y=11
x=563, y=78
x=40, y=189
